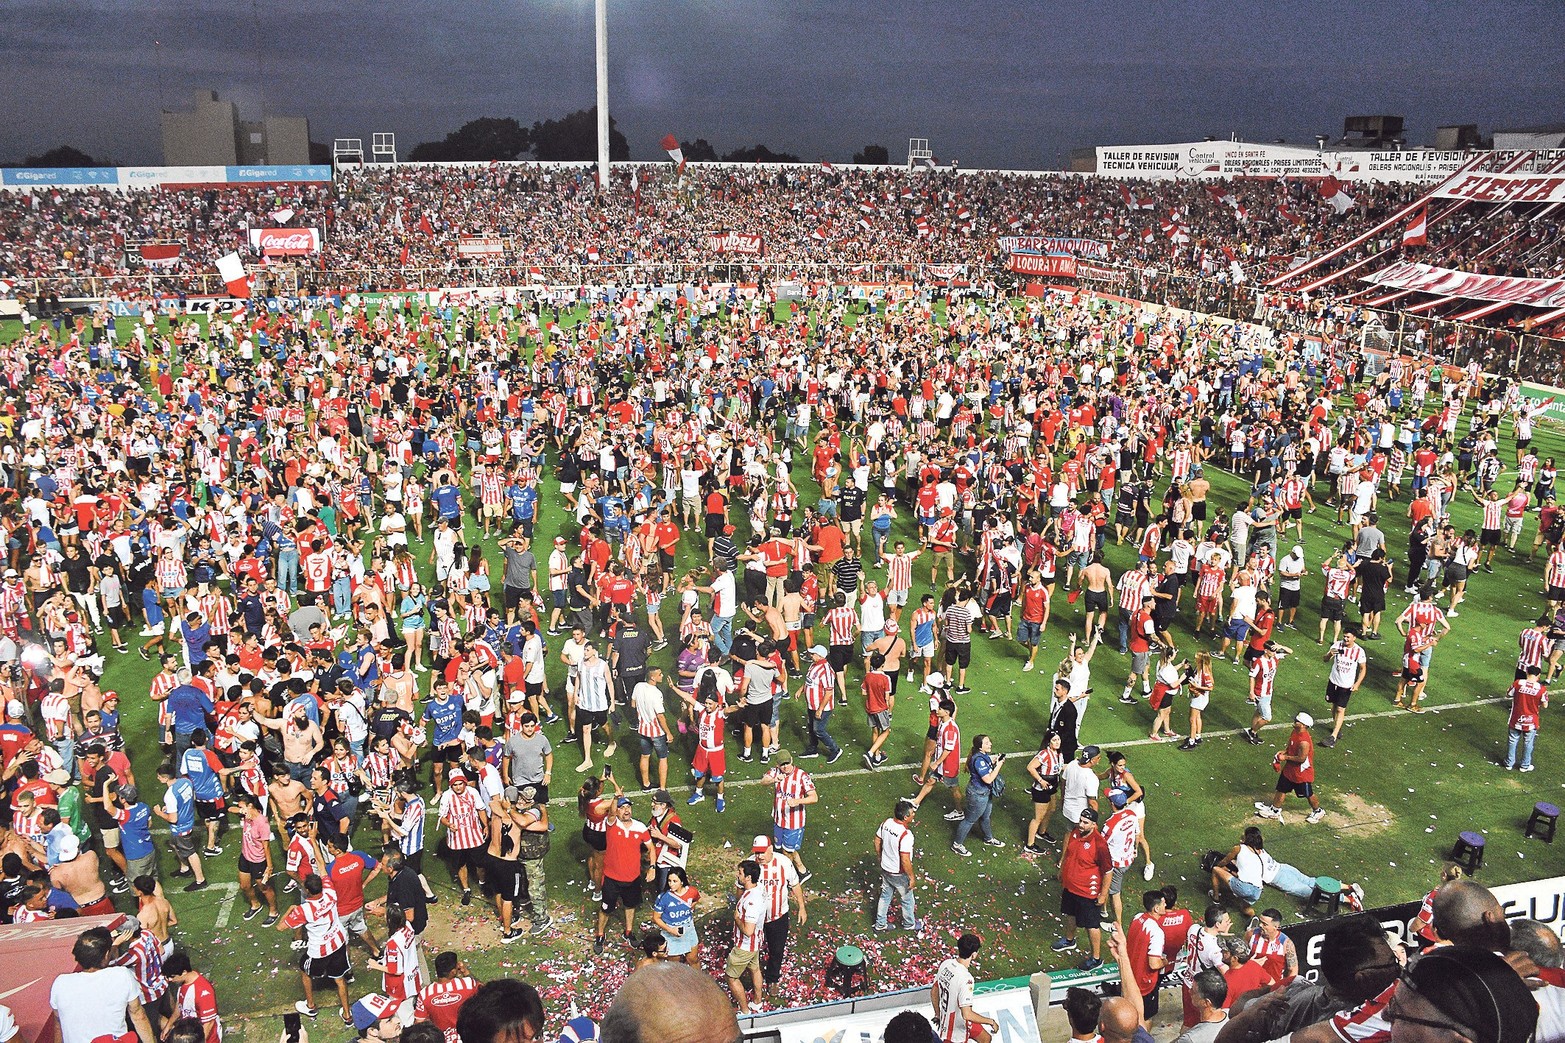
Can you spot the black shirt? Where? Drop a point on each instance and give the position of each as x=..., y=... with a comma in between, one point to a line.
x=633, y=647
x=403, y=890
x=850, y=501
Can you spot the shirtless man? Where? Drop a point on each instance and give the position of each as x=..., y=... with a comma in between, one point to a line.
x=77, y=875
x=892, y=646
x=792, y=617
x=155, y=912
x=288, y=796
x=11, y=842
x=1098, y=585
x=1195, y=491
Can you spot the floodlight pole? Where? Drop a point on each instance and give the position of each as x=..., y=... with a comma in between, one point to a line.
x=603, y=95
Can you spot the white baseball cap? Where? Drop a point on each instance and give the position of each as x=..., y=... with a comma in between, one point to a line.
x=1304, y=719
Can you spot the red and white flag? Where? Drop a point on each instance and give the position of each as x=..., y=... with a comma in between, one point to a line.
x=5, y=288
x=819, y=235
x=922, y=226
x=232, y=270
x=161, y=255
x=1289, y=216
x=592, y=254
x=535, y=274
x=1331, y=191
x=1134, y=202
x=1417, y=231
x=670, y=144
x=425, y=226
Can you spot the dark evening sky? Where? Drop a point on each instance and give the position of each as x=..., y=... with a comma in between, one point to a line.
x=1000, y=83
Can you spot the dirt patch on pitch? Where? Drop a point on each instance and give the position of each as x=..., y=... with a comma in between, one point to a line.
x=1349, y=811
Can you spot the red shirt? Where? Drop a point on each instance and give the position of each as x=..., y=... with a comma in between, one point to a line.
x=439, y=1002
x=1145, y=938
x=622, y=857
x=1248, y=976
x=877, y=690
x=347, y=874
x=1086, y=863
x=1176, y=924
x=1300, y=745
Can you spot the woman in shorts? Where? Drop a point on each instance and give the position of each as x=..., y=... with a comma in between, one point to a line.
x=1044, y=768
x=673, y=913
x=1463, y=559
x=1201, y=683
x=255, y=859
x=594, y=806
x=1170, y=677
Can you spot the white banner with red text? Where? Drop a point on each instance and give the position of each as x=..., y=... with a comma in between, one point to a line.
x=734, y=243
x=1506, y=188
x=1050, y=266
x=480, y=246
x=1231, y=159
x=1055, y=244
x=1447, y=282
x=285, y=242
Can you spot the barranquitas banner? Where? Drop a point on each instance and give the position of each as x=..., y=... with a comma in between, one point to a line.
x=1050, y=266
x=1448, y=282
x=734, y=243
x=1055, y=244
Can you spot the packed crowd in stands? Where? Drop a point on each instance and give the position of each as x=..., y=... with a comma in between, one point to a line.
x=380, y=221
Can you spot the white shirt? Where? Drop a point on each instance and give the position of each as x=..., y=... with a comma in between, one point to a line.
x=1079, y=783
x=895, y=841
x=1345, y=664
x=93, y=1004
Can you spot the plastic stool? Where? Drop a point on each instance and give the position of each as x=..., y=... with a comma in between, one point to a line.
x=1329, y=890
x=1468, y=852
x=1545, y=817
x=848, y=972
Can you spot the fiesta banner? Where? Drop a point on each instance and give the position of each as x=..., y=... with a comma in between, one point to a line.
x=1050, y=266
x=480, y=246
x=734, y=243
x=1447, y=282
x=1506, y=188
x=1053, y=244
x=285, y=242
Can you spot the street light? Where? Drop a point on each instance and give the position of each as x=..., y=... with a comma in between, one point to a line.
x=603, y=95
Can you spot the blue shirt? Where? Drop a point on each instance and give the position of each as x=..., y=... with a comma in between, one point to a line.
x=448, y=500
x=189, y=705
x=447, y=717
x=980, y=764
x=204, y=780
x=136, y=831
x=183, y=798
x=675, y=911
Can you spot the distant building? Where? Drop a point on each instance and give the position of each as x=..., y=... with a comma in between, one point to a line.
x=1550, y=136
x=1371, y=133
x=1457, y=137
x=212, y=134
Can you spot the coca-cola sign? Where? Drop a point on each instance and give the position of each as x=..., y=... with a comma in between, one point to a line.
x=734, y=243
x=285, y=242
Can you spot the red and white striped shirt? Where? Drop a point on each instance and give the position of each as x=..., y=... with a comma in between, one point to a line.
x=1338, y=581
x=462, y=815
x=170, y=572
x=820, y=686
x=1263, y=676
x=324, y=933
x=899, y=572
x=709, y=729
x=778, y=878
x=491, y=489
x=1210, y=582
x=1422, y=619
x=1534, y=644
x=1493, y=514
x=1132, y=591
x=1556, y=568
x=317, y=572
x=400, y=979
x=793, y=784
x=841, y=620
